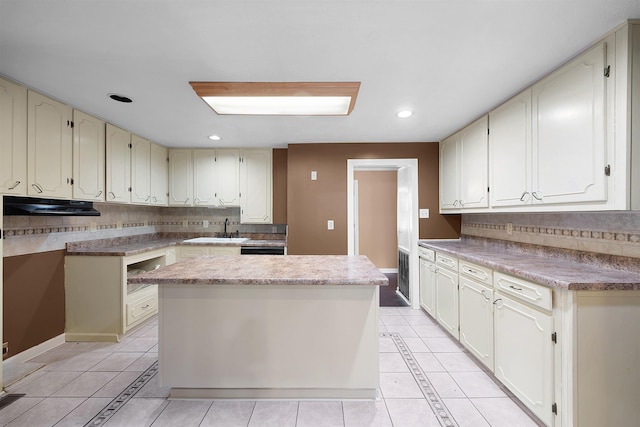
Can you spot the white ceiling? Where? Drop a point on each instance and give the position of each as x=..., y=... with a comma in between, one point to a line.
x=450, y=61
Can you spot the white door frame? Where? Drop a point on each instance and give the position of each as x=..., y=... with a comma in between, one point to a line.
x=389, y=165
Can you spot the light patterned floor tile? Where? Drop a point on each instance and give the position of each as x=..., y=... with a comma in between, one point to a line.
x=411, y=412
x=117, y=362
x=46, y=413
x=119, y=383
x=457, y=362
x=465, y=413
x=428, y=362
x=444, y=384
x=503, y=412
x=228, y=413
x=392, y=362
x=78, y=362
x=137, y=412
x=274, y=414
x=183, y=413
x=416, y=345
x=429, y=331
x=393, y=321
x=84, y=412
x=366, y=414
x=404, y=331
x=17, y=408
x=46, y=384
x=387, y=346
x=87, y=384
x=399, y=386
x=443, y=345
x=477, y=384
x=320, y=414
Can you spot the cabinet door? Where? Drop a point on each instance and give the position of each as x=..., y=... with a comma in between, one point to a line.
x=569, y=138
x=13, y=138
x=427, y=286
x=159, y=175
x=88, y=157
x=256, y=188
x=228, y=165
x=49, y=147
x=180, y=177
x=476, y=320
x=473, y=169
x=140, y=170
x=449, y=183
x=524, y=354
x=447, y=300
x=118, y=165
x=205, y=177
x=510, y=152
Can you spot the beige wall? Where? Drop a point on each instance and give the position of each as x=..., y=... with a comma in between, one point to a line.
x=311, y=203
x=378, y=216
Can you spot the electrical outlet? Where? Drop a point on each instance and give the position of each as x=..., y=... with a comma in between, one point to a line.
x=274, y=229
x=145, y=223
x=509, y=228
x=5, y=348
x=93, y=227
x=185, y=222
x=330, y=224
x=119, y=225
x=205, y=223
x=314, y=175
x=424, y=213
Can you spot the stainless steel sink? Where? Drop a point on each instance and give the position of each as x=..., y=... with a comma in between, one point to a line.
x=217, y=240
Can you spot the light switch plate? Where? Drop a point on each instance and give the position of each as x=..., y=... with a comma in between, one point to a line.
x=119, y=225
x=93, y=227
x=185, y=223
x=424, y=213
x=314, y=175
x=205, y=223
x=509, y=228
x=330, y=224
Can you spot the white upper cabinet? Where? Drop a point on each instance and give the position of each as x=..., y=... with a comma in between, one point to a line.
x=49, y=147
x=510, y=152
x=13, y=138
x=159, y=175
x=88, y=157
x=140, y=170
x=228, y=165
x=569, y=137
x=118, y=165
x=205, y=177
x=464, y=168
x=256, y=186
x=180, y=177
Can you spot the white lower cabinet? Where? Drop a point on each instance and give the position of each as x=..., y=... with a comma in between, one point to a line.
x=428, y=282
x=447, y=294
x=476, y=320
x=193, y=251
x=524, y=354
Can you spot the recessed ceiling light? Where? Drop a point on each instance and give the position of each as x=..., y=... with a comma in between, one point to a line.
x=404, y=114
x=294, y=98
x=214, y=137
x=120, y=98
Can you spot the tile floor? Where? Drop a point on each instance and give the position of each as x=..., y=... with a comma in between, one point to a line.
x=80, y=379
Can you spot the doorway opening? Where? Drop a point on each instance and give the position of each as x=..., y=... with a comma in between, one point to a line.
x=406, y=205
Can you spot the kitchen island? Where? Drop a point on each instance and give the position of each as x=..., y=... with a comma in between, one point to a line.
x=268, y=326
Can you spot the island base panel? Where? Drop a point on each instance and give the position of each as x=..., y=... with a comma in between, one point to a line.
x=276, y=337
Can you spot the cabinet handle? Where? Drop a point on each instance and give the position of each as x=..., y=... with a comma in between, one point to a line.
x=524, y=193
x=112, y=195
x=485, y=297
x=155, y=199
x=37, y=187
x=515, y=289
x=499, y=300
x=186, y=200
x=14, y=185
x=147, y=199
x=144, y=307
x=535, y=195
x=455, y=203
x=461, y=203
x=99, y=193
x=68, y=180
x=196, y=200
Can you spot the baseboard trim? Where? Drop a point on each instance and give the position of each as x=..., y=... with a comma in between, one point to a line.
x=388, y=270
x=36, y=350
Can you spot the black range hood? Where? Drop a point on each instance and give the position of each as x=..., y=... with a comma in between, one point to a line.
x=47, y=207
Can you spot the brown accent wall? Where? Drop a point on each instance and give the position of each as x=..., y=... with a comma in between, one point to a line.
x=378, y=216
x=279, y=185
x=33, y=299
x=311, y=203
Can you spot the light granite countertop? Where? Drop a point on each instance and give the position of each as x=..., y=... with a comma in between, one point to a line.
x=560, y=268
x=268, y=270
x=149, y=242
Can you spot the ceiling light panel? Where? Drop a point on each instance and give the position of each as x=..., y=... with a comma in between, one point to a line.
x=295, y=98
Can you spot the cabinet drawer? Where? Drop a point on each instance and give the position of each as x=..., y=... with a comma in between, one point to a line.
x=535, y=294
x=427, y=254
x=477, y=272
x=193, y=251
x=447, y=261
x=142, y=308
